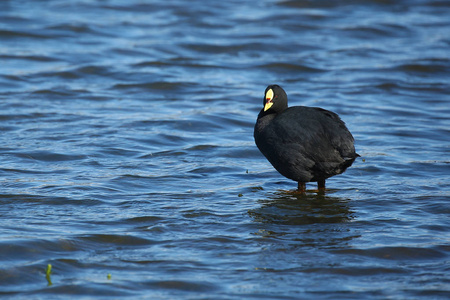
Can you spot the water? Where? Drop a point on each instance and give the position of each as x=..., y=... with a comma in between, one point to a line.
x=127, y=150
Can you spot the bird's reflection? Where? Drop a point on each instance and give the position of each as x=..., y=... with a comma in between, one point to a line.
x=304, y=220
x=291, y=208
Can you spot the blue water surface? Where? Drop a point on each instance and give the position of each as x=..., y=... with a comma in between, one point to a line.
x=128, y=160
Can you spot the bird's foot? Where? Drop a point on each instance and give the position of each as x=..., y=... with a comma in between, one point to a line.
x=301, y=187
x=321, y=185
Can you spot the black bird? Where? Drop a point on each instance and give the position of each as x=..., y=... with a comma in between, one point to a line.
x=305, y=144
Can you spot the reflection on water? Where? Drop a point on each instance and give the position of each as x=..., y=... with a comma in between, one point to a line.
x=290, y=208
x=313, y=220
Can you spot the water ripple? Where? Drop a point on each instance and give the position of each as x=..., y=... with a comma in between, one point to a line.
x=128, y=161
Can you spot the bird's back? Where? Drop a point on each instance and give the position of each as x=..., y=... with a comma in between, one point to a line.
x=306, y=143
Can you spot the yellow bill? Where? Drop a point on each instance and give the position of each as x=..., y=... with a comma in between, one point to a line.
x=269, y=97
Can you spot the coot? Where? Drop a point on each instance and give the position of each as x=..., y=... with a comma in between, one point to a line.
x=305, y=144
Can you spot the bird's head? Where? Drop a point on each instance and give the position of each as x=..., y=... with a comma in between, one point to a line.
x=275, y=99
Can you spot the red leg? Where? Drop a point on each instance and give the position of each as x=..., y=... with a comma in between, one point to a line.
x=321, y=184
x=302, y=187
